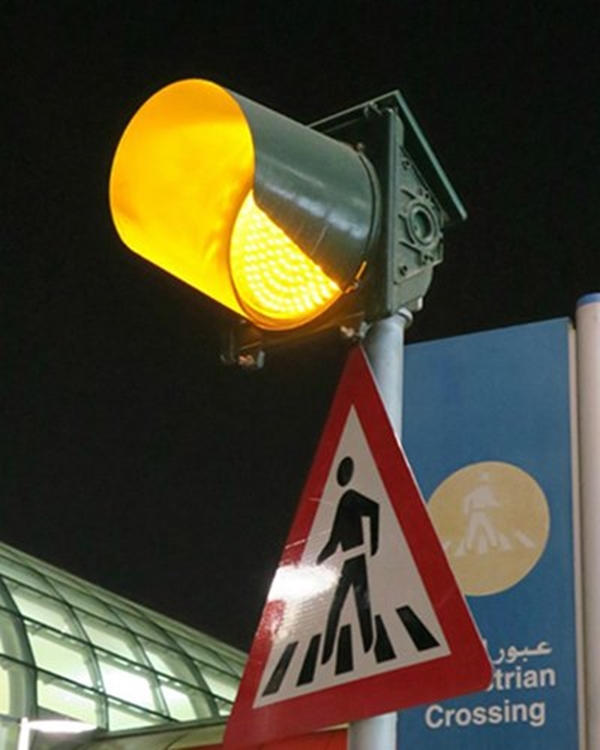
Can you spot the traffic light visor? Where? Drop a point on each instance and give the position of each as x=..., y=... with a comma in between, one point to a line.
x=266, y=216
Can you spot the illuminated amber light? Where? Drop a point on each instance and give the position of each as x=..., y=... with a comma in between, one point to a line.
x=276, y=283
x=182, y=196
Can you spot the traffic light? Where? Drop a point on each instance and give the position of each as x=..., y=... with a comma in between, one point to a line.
x=293, y=228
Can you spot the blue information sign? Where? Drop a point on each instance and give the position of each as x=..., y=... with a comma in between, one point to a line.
x=487, y=430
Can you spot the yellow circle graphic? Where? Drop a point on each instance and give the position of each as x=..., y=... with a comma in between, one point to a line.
x=493, y=521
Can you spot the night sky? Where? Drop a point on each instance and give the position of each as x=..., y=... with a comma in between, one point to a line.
x=130, y=455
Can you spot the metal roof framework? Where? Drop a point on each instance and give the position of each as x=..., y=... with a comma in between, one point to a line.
x=71, y=649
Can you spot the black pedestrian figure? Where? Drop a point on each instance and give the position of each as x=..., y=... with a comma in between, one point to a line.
x=347, y=533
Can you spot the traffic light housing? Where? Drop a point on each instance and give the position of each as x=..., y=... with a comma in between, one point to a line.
x=293, y=228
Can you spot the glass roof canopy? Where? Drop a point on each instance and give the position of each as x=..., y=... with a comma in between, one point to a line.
x=71, y=649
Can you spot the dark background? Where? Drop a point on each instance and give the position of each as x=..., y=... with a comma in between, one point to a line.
x=130, y=455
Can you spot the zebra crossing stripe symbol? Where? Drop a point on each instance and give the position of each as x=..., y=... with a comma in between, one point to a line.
x=364, y=615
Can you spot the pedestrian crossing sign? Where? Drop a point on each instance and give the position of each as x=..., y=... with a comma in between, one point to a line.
x=364, y=615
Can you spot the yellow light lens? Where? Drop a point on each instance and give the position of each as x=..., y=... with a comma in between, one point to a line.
x=277, y=284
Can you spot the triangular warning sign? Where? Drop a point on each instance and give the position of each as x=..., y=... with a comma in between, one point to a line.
x=364, y=615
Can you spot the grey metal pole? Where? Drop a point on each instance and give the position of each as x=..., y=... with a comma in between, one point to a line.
x=384, y=345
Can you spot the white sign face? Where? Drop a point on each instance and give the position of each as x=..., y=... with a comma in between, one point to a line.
x=356, y=604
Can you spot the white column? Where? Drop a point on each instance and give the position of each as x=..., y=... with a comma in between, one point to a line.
x=588, y=386
x=24, y=733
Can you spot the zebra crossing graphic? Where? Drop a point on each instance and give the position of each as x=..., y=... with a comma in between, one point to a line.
x=384, y=651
